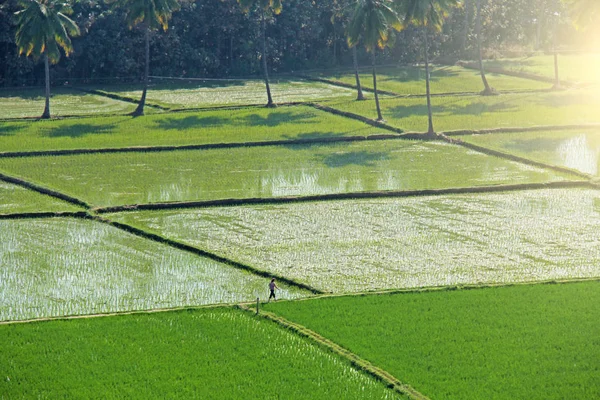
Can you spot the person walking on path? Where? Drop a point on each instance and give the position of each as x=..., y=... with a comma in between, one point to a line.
x=272, y=287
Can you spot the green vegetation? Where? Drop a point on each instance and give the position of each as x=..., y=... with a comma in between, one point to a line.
x=207, y=354
x=30, y=103
x=54, y=267
x=444, y=79
x=352, y=246
x=190, y=94
x=522, y=342
x=16, y=199
x=479, y=112
x=271, y=171
x=578, y=68
x=175, y=129
x=578, y=149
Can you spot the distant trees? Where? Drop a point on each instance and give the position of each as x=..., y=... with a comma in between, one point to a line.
x=373, y=21
x=152, y=15
x=43, y=28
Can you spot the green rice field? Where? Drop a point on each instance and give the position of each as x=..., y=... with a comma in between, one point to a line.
x=55, y=267
x=577, y=68
x=362, y=245
x=206, y=127
x=207, y=354
x=271, y=171
x=484, y=112
x=29, y=102
x=195, y=93
x=575, y=149
x=444, y=79
x=522, y=342
x=16, y=199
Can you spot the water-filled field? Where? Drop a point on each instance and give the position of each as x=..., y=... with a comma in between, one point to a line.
x=54, y=267
x=129, y=178
x=575, y=149
x=195, y=93
x=351, y=246
x=17, y=199
x=522, y=342
x=406, y=80
x=207, y=354
x=30, y=103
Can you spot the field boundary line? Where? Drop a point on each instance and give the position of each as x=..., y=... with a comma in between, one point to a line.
x=49, y=214
x=345, y=196
x=512, y=157
x=524, y=75
x=356, y=361
x=203, y=253
x=207, y=146
x=114, y=96
x=366, y=120
x=491, y=131
x=43, y=190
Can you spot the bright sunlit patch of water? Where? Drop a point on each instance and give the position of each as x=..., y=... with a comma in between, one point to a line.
x=578, y=154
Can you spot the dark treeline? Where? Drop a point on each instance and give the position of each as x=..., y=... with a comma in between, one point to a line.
x=214, y=38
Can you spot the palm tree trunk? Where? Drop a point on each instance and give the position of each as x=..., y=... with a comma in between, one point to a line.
x=46, y=113
x=360, y=95
x=430, y=130
x=264, y=60
x=379, y=117
x=487, y=89
x=140, y=108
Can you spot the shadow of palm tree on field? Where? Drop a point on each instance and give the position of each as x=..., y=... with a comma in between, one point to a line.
x=78, y=130
x=191, y=122
x=278, y=118
x=10, y=130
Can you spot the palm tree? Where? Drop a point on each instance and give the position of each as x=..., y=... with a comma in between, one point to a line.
x=264, y=6
x=152, y=14
x=427, y=14
x=585, y=12
x=43, y=28
x=373, y=21
x=488, y=90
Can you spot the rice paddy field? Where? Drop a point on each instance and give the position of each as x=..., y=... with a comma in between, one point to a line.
x=16, y=199
x=206, y=127
x=521, y=342
x=410, y=80
x=65, y=266
x=366, y=245
x=578, y=68
x=271, y=171
x=208, y=354
x=478, y=112
x=197, y=93
x=575, y=149
x=155, y=303
x=29, y=103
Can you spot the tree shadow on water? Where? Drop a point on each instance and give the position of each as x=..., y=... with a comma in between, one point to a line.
x=190, y=122
x=362, y=158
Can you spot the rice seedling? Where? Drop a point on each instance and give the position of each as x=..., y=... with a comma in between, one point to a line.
x=176, y=129
x=521, y=342
x=211, y=353
x=30, y=103
x=271, y=171
x=576, y=149
x=355, y=246
x=16, y=199
x=190, y=94
x=480, y=112
x=579, y=68
x=408, y=80
x=55, y=267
